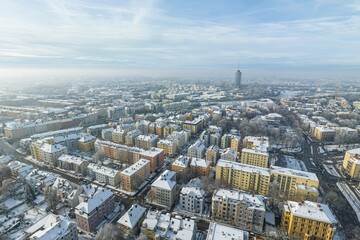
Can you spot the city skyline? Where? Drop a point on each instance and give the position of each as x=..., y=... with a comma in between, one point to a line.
x=159, y=38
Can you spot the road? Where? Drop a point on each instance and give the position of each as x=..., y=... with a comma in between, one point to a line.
x=327, y=181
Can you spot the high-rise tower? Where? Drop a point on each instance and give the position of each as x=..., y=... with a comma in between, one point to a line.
x=237, y=78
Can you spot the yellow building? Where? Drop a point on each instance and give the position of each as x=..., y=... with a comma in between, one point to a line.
x=212, y=154
x=308, y=220
x=322, y=133
x=295, y=184
x=351, y=163
x=168, y=146
x=194, y=126
x=235, y=143
x=133, y=176
x=255, y=151
x=180, y=164
x=255, y=157
x=243, y=177
x=87, y=143
x=160, y=129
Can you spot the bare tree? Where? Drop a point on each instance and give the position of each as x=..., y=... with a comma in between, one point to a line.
x=185, y=176
x=151, y=196
x=354, y=233
x=336, y=202
x=5, y=173
x=8, y=187
x=209, y=184
x=109, y=232
x=98, y=157
x=51, y=197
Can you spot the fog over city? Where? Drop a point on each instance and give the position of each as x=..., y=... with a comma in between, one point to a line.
x=306, y=39
x=179, y=120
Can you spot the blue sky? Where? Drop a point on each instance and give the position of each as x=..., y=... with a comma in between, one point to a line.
x=146, y=37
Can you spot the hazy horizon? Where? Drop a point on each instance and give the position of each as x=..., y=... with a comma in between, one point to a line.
x=79, y=39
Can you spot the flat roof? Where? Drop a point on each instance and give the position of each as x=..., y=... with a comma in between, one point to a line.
x=243, y=167
x=219, y=231
x=135, y=167
x=311, y=210
x=293, y=172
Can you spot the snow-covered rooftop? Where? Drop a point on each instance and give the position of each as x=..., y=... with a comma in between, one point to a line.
x=311, y=210
x=252, y=201
x=135, y=167
x=293, y=172
x=199, y=162
x=52, y=148
x=165, y=181
x=182, y=161
x=51, y=227
x=110, y=172
x=243, y=167
x=132, y=216
x=98, y=197
x=218, y=231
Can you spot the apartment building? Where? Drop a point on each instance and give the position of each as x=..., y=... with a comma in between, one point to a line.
x=130, y=222
x=164, y=226
x=104, y=174
x=47, y=153
x=131, y=136
x=96, y=130
x=212, y=154
x=323, y=133
x=163, y=189
x=87, y=143
x=229, y=154
x=295, y=184
x=243, y=177
x=94, y=208
x=146, y=141
x=219, y=231
x=255, y=151
x=239, y=208
x=194, y=126
x=192, y=199
x=197, y=149
x=180, y=164
x=180, y=137
x=235, y=143
x=200, y=167
x=132, y=177
x=130, y=155
x=119, y=134
x=308, y=220
x=155, y=156
x=351, y=163
x=170, y=128
x=168, y=146
x=55, y=227
x=73, y=163
x=143, y=126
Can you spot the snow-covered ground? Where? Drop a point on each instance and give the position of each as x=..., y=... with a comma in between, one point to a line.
x=31, y=215
x=350, y=197
x=4, y=159
x=294, y=163
x=321, y=150
x=332, y=148
x=331, y=170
